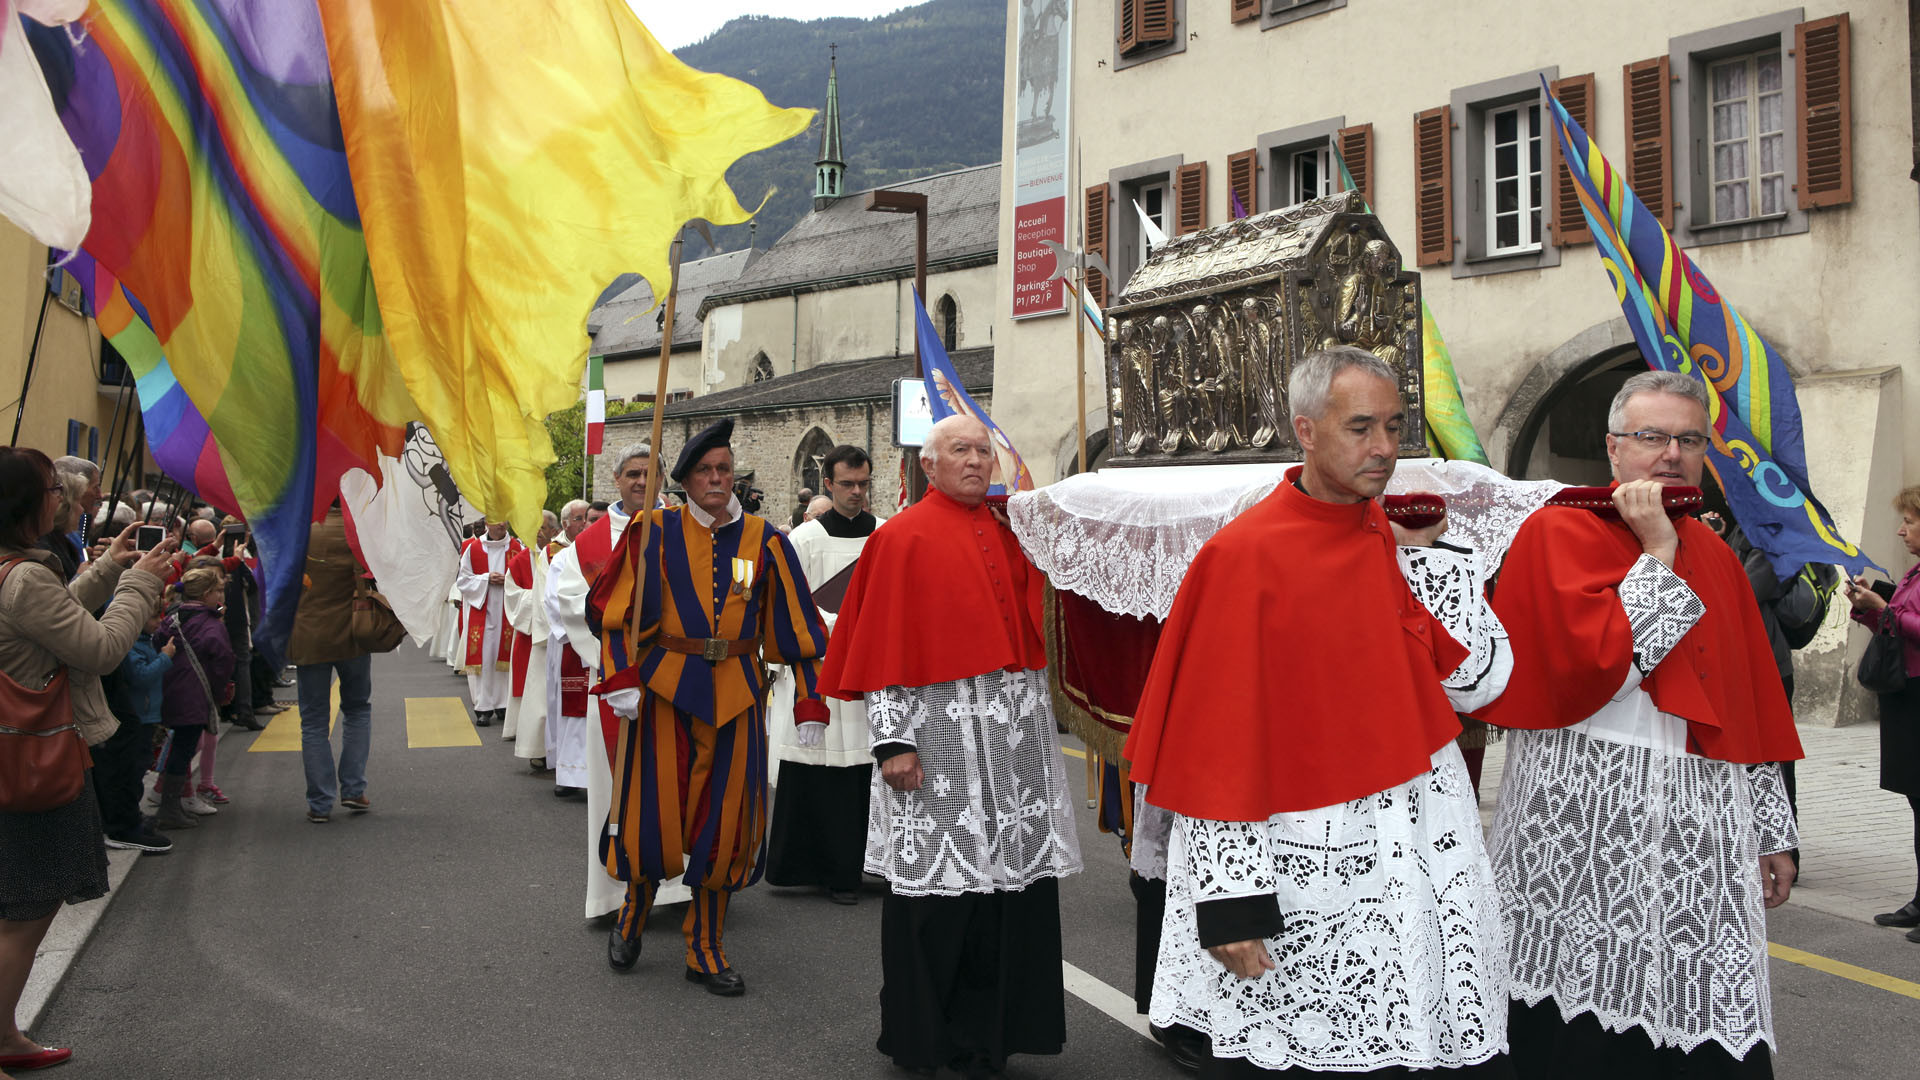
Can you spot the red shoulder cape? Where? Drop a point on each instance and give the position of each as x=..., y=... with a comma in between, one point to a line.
x=1295, y=671
x=1558, y=595
x=942, y=592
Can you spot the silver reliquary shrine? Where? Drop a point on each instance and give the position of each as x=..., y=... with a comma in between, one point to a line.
x=1203, y=340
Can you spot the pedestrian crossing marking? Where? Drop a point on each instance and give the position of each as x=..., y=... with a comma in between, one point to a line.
x=283, y=731
x=1866, y=976
x=439, y=721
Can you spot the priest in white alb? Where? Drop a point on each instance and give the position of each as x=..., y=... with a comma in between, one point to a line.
x=526, y=722
x=1330, y=903
x=489, y=640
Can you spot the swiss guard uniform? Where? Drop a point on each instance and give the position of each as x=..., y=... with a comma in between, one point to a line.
x=722, y=598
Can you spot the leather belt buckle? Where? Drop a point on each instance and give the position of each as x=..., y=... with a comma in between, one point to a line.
x=715, y=650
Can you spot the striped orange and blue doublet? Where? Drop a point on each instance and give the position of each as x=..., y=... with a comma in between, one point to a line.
x=690, y=771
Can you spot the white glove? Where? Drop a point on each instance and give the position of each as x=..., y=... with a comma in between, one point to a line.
x=812, y=733
x=624, y=703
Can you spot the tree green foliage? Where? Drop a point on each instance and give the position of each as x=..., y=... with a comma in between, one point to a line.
x=920, y=93
x=568, y=430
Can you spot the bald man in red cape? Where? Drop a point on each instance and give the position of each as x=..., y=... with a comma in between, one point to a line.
x=1330, y=906
x=970, y=817
x=1643, y=822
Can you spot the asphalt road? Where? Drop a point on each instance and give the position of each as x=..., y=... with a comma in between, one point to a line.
x=440, y=936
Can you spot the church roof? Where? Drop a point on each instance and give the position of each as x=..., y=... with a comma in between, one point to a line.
x=839, y=383
x=625, y=322
x=845, y=244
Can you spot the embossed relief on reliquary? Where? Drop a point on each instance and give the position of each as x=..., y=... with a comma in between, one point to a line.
x=1205, y=336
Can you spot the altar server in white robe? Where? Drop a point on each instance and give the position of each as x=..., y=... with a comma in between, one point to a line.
x=819, y=833
x=526, y=722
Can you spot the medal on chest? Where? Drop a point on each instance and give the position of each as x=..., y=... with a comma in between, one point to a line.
x=742, y=576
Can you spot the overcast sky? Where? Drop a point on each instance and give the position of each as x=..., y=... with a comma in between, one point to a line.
x=682, y=22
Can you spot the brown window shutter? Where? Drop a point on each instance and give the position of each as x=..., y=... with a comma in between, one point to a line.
x=1356, y=149
x=1129, y=26
x=1569, y=221
x=1156, y=21
x=1095, y=222
x=1433, y=185
x=1824, y=109
x=1190, y=198
x=1243, y=170
x=1650, y=135
x=1244, y=10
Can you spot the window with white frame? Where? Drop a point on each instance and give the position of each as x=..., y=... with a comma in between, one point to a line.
x=1154, y=202
x=1513, y=178
x=1747, y=129
x=1309, y=173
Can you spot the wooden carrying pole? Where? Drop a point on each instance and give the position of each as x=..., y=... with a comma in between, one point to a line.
x=644, y=519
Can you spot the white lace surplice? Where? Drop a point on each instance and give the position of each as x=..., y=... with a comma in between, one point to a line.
x=993, y=813
x=1390, y=950
x=1628, y=868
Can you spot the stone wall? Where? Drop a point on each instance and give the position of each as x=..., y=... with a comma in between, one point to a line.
x=770, y=443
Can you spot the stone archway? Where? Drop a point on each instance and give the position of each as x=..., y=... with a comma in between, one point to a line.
x=1515, y=440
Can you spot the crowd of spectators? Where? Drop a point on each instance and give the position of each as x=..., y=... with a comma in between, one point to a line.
x=154, y=640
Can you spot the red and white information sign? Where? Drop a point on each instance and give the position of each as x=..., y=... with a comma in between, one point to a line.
x=1043, y=48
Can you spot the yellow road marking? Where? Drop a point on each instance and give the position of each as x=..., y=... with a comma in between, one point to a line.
x=1071, y=752
x=1845, y=970
x=439, y=721
x=283, y=731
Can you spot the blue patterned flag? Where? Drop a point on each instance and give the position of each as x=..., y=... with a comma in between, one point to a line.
x=949, y=398
x=1682, y=324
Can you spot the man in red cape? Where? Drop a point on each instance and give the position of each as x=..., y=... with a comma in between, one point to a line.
x=1330, y=906
x=489, y=640
x=970, y=820
x=1643, y=822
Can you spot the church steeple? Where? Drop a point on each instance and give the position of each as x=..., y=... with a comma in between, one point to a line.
x=830, y=171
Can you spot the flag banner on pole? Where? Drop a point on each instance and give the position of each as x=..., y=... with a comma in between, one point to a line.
x=596, y=404
x=44, y=187
x=1683, y=324
x=236, y=274
x=1089, y=309
x=410, y=518
x=1450, y=431
x=509, y=159
x=949, y=398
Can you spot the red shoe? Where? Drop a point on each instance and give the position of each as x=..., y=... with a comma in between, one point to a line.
x=40, y=1059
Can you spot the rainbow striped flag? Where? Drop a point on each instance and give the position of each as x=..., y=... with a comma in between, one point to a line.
x=225, y=258
x=1683, y=324
x=1450, y=431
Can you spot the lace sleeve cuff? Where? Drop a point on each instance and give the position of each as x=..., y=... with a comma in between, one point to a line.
x=1772, y=813
x=893, y=714
x=1660, y=608
x=1227, y=858
x=1451, y=585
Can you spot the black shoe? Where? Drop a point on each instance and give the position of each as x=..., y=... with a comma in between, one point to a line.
x=482, y=719
x=246, y=722
x=1906, y=916
x=843, y=896
x=538, y=764
x=561, y=791
x=1186, y=1047
x=1914, y=936
x=144, y=840
x=726, y=982
x=621, y=953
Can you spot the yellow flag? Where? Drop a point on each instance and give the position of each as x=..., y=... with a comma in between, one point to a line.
x=510, y=158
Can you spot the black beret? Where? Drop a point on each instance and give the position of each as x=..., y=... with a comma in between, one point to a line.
x=719, y=434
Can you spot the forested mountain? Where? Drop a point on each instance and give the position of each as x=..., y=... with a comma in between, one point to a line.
x=920, y=93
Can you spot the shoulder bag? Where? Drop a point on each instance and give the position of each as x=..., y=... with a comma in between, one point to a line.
x=1883, y=669
x=43, y=759
x=376, y=629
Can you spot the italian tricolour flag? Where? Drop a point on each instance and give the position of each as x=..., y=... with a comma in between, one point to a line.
x=596, y=405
